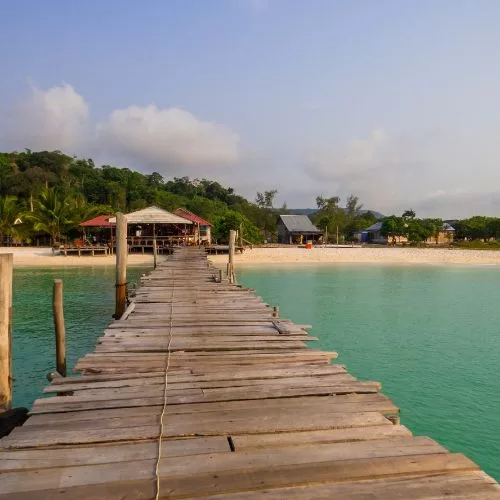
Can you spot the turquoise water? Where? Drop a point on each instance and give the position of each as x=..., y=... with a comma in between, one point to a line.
x=88, y=307
x=429, y=334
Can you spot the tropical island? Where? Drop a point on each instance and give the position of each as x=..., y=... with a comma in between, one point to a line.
x=45, y=197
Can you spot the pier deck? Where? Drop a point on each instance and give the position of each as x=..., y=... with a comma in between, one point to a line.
x=200, y=392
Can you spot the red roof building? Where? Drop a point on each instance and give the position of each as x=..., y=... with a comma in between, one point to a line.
x=201, y=227
x=99, y=221
x=195, y=219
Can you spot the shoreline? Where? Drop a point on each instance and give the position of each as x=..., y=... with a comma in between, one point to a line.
x=25, y=257
x=281, y=256
x=276, y=257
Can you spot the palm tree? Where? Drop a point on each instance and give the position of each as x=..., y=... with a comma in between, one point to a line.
x=9, y=212
x=52, y=214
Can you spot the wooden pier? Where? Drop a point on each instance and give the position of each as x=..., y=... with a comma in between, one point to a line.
x=198, y=391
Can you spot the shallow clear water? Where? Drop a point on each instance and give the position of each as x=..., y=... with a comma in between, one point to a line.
x=430, y=334
x=88, y=307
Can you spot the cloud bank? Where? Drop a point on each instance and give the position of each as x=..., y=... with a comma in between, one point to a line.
x=357, y=159
x=388, y=173
x=172, y=137
x=56, y=118
x=168, y=140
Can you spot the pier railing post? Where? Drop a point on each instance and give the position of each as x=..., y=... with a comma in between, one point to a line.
x=6, y=261
x=57, y=307
x=121, y=265
x=155, y=253
x=232, y=243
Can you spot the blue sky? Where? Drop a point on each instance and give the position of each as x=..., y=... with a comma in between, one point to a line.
x=394, y=101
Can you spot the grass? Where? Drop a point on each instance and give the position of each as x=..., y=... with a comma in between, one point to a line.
x=477, y=245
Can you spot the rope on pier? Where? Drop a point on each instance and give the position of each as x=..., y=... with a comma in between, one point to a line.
x=167, y=364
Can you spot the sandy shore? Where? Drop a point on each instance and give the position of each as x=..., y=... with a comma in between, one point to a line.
x=42, y=257
x=385, y=255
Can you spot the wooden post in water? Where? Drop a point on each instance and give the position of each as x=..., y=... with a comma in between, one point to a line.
x=276, y=312
x=6, y=331
x=121, y=265
x=57, y=308
x=232, y=243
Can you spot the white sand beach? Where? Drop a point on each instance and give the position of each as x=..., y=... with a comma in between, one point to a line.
x=386, y=255
x=43, y=257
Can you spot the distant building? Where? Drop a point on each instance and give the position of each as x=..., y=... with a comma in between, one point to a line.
x=373, y=234
x=296, y=229
x=444, y=237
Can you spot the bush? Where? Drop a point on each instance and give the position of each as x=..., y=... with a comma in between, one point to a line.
x=234, y=220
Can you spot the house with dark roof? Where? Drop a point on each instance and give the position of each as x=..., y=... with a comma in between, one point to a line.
x=296, y=229
x=373, y=234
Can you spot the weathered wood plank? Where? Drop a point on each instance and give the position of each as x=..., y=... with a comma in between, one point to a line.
x=268, y=475
x=12, y=460
x=437, y=487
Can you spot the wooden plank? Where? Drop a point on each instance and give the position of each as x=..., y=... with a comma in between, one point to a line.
x=245, y=442
x=264, y=475
x=184, y=425
x=12, y=460
x=138, y=384
x=440, y=487
x=97, y=381
x=347, y=403
x=178, y=479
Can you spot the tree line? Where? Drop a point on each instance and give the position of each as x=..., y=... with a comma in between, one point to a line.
x=50, y=193
x=477, y=228
x=410, y=227
x=343, y=221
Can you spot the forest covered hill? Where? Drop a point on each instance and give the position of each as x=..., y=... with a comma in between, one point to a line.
x=49, y=192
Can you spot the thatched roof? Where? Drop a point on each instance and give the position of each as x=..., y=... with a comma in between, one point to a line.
x=153, y=215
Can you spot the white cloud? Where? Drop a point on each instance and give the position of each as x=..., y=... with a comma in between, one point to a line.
x=165, y=139
x=387, y=173
x=168, y=137
x=56, y=118
x=357, y=158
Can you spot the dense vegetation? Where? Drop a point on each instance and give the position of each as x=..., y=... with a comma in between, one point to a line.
x=51, y=193
x=474, y=232
x=408, y=226
x=336, y=220
x=47, y=194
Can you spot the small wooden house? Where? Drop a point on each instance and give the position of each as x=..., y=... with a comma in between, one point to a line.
x=296, y=229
